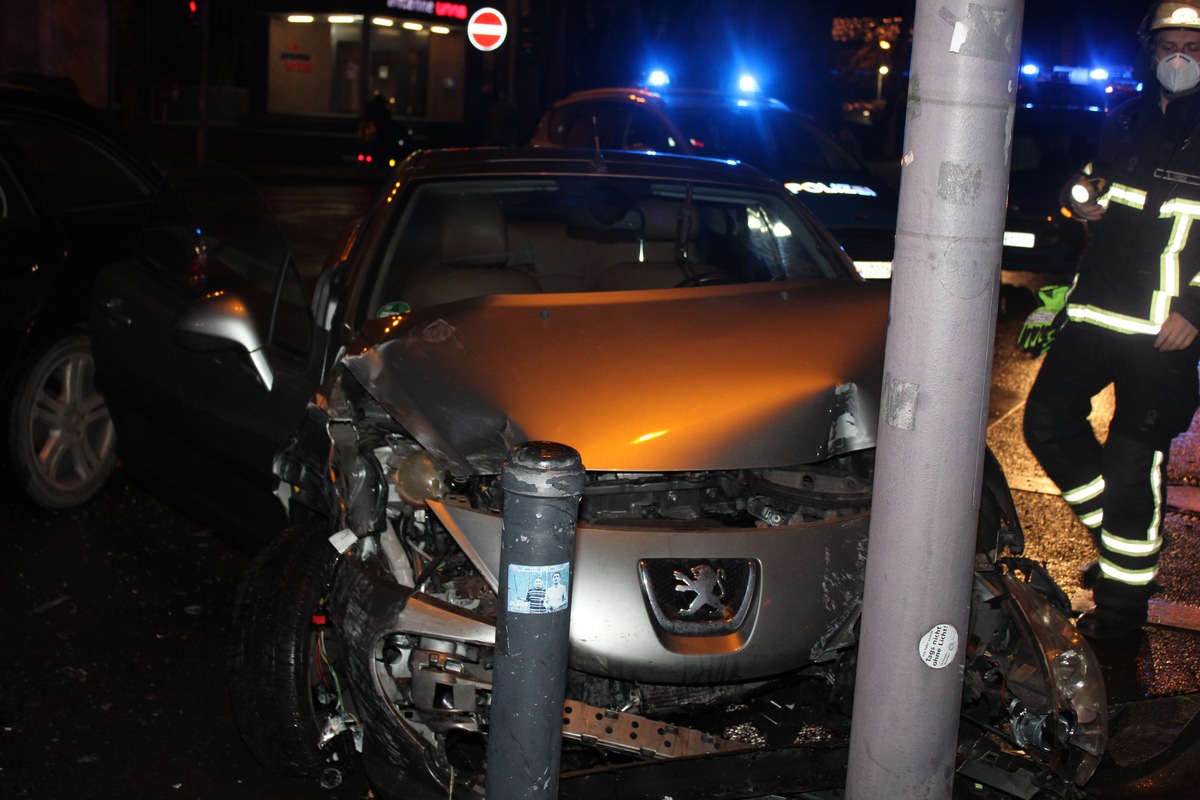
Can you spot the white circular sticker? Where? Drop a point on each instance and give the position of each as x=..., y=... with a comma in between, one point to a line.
x=938, y=647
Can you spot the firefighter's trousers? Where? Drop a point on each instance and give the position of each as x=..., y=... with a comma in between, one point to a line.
x=1118, y=489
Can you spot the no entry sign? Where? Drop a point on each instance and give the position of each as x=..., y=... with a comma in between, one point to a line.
x=486, y=29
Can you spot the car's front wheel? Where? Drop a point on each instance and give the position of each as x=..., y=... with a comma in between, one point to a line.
x=290, y=701
x=63, y=443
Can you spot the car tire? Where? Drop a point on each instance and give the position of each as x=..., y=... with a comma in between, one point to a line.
x=273, y=656
x=399, y=762
x=63, y=442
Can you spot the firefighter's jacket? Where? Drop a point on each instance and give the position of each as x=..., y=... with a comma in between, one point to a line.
x=1143, y=258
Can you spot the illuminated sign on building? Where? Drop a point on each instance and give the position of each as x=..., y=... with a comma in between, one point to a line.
x=294, y=61
x=436, y=8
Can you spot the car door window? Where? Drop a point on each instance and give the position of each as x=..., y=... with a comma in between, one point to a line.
x=14, y=205
x=580, y=124
x=245, y=258
x=644, y=131
x=573, y=126
x=77, y=172
x=212, y=231
x=776, y=141
x=291, y=328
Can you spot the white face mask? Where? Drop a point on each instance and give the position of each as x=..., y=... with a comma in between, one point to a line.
x=1178, y=72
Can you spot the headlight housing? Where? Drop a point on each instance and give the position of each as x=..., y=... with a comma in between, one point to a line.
x=1065, y=720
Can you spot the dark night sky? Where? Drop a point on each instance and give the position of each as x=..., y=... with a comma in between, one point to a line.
x=1103, y=27
x=1101, y=31
x=786, y=42
x=1056, y=30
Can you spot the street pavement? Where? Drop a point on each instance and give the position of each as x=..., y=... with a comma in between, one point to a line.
x=112, y=684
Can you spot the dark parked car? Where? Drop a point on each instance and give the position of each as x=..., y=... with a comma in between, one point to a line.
x=196, y=424
x=73, y=198
x=857, y=208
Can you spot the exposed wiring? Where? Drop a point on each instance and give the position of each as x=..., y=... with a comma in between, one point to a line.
x=990, y=729
x=323, y=658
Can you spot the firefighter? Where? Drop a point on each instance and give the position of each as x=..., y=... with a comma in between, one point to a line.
x=1130, y=319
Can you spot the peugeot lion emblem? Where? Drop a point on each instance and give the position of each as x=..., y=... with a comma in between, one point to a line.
x=701, y=597
x=708, y=586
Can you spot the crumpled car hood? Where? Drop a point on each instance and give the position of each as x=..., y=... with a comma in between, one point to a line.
x=699, y=378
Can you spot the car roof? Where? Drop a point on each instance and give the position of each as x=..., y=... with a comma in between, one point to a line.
x=461, y=163
x=1061, y=94
x=679, y=98
x=35, y=97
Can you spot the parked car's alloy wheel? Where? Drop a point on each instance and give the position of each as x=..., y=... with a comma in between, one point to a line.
x=63, y=443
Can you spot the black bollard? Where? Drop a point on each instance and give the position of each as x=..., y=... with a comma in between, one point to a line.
x=542, y=483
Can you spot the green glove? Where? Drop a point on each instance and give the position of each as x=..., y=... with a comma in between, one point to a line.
x=1045, y=322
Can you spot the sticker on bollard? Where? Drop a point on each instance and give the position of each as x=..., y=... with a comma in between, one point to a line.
x=542, y=483
x=538, y=589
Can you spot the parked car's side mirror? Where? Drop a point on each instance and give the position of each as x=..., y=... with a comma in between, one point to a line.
x=222, y=321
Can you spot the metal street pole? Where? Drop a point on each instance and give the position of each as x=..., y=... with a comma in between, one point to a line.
x=933, y=414
x=202, y=124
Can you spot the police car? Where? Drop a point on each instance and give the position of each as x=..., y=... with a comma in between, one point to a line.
x=1056, y=130
x=856, y=207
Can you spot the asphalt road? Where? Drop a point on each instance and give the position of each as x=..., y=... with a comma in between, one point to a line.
x=113, y=681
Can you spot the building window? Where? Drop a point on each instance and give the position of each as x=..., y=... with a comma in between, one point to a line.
x=317, y=66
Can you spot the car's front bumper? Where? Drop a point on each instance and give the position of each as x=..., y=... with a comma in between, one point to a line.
x=791, y=594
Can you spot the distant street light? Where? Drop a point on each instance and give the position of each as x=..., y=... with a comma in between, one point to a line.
x=883, y=70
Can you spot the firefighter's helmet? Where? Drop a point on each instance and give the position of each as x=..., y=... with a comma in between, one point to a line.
x=1170, y=14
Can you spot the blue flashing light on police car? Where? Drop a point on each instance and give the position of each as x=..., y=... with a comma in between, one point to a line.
x=658, y=77
x=748, y=83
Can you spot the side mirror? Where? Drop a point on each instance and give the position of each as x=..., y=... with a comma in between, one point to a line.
x=220, y=322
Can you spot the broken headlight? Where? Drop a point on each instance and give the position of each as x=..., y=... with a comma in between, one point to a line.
x=1072, y=730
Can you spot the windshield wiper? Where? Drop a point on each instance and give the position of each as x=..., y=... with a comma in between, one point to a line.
x=683, y=231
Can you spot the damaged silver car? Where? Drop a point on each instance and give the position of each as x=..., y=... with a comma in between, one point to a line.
x=712, y=355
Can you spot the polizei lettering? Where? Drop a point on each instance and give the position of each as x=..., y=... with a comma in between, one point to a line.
x=819, y=187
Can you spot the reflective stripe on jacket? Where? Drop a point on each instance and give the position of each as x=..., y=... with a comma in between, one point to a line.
x=1143, y=260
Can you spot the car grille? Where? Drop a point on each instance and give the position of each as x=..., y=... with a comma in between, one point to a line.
x=699, y=597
